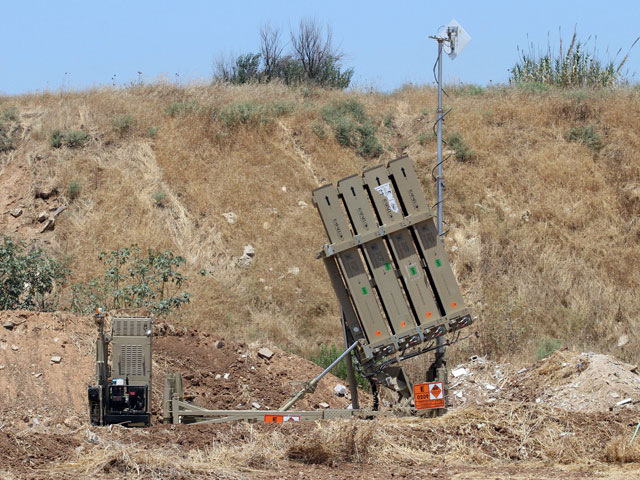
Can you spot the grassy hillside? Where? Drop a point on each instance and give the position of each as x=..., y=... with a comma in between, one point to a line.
x=543, y=205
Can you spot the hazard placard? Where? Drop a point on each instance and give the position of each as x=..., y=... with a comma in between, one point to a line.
x=281, y=418
x=429, y=395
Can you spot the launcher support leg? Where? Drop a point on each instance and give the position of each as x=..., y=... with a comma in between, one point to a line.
x=351, y=375
x=438, y=373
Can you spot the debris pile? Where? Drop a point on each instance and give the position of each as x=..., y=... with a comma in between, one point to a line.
x=586, y=382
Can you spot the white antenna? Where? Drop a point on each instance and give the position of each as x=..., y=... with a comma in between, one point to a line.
x=456, y=38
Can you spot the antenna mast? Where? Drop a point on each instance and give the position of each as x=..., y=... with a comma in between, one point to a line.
x=456, y=39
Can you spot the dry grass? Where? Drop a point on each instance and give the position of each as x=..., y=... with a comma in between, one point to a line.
x=507, y=434
x=544, y=233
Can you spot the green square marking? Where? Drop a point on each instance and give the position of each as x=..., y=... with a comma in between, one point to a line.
x=387, y=266
x=438, y=262
x=364, y=290
x=413, y=270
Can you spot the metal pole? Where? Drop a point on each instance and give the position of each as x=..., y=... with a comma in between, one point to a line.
x=439, y=360
x=439, y=178
x=351, y=376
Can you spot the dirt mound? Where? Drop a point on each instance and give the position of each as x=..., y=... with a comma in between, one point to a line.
x=584, y=382
x=38, y=391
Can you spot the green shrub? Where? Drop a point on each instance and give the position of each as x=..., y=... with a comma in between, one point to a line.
x=249, y=113
x=352, y=127
x=28, y=277
x=159, y=197
x=459, y=146
x=151, y=131
x=6, y=142
x=586, y=135
x=319, y=130
x=547, y=346
x=73, y=191
x=10, y=114
x=425, y=138
x=57, y=139
x=134, y=280
x=576, y=67
x=328, y=355
x=181, y=108
x=388, y=120
x=76, y=138
x=123, y=124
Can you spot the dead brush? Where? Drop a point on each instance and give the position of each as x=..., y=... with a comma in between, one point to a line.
x=336, y=442
x=618, y=450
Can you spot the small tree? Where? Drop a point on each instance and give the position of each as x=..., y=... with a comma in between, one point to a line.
x=133, y=280
x=28, y=278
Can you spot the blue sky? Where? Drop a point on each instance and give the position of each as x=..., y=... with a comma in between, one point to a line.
x=79, y=44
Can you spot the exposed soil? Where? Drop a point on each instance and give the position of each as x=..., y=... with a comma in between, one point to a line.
x=554, y=419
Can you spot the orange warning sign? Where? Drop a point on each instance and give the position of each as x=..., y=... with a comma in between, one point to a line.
x=429, y=395
x=281, y=418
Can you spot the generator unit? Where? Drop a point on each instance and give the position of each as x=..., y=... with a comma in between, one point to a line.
x=122, y=394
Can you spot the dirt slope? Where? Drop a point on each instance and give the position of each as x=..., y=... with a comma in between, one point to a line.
x=543, y=214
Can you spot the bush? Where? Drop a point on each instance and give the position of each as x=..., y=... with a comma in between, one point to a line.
x=71, y=138
x=73, y=190
x=134, y=280
x=425, y=138
x=249, y=113
x=159, y=197
x=586, y=135
x=57, y=138
x=76, y=138
x=576, y=67
x=10, y=114
x=352, y=127
x=547, y=346
x=151, y=131
x=123, y=124
x=328, y=355
x=388, y=120
x=28, y=277
x=460, y=148
x=181, y=108
x=6, y=142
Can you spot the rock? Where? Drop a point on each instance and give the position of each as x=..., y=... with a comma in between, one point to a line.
x=230, y=217
x=42, y=216
x=340, y=390
x=293, y=271
x=323, y=405
x=265, y=353
x=266, y=225
x=15, y=348
x=56, y=359
x=59, y=210
x=458, y=372
x=16, y=212
x=284, y=189
x=50, y=225
x=490, y=387
x=623, y=340
x=9, y=325
x=226, y=376
x=256, y=405
x=302, y=204
x=218, y=376
x=624, y=402
x=219, y=344
x=1, y=367
x=92, y=437
x=36, y=422
x=247, y=256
